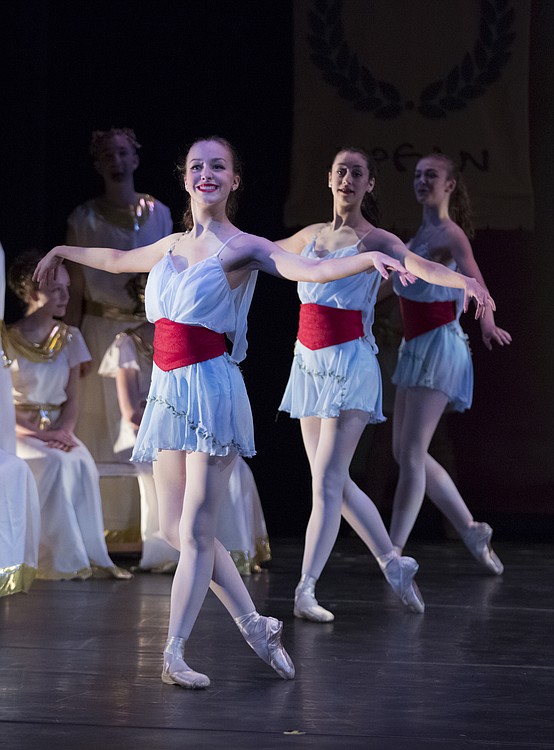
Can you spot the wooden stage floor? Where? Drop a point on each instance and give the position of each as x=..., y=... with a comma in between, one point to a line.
x=80, y=661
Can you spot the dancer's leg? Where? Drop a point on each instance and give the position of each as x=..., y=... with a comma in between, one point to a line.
x=204, y=488
x=263, y=634
x=330, y=445
x=416, y=414
x=360, y=512
x=228, y=585
x=477, y=536
x=443, y=493
x=203, y=558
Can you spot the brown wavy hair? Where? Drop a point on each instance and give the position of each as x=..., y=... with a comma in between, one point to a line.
x=20, y=274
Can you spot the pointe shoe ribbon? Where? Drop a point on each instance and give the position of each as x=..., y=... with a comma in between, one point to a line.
x=175, y=669
x=400, y=573
x=306, y=606
x=263, y=635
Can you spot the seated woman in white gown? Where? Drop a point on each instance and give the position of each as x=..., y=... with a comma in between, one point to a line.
x=19, y=507
x=241, y=528
x=46, y=358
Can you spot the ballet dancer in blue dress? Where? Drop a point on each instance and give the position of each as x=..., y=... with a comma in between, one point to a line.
x=335, y=384
x=434, y=370
x=197, y=417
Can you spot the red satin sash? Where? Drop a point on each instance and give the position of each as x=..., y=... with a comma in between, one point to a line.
x=178, y=345
x=320, y=326
x=420, y=317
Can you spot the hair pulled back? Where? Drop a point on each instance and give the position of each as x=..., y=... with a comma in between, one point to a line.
x=370, y=203
x=232, y=201
x=459, y=205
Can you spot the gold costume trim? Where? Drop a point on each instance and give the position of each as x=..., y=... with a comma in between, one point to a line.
x=44, y=413
x=245, y=563
x=132, y=217
x=118, y=536
x=6, y=361
x=44, y=351
x=100, y=310
x=143, y=347
x=16, y=578
x=49, y=574
x=263, y=550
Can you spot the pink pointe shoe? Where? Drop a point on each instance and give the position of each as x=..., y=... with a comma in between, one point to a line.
x=305, y=603
x=175, y=669
x=477, y=538
x=263, y=635
x=400, y=573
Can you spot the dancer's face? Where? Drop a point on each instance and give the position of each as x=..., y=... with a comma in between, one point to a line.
x=209, y=174
x=117, y=159
x=432, y=186
x=52, y=298
x=349, y=178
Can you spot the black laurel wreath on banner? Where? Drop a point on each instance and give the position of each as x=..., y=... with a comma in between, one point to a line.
x=467, y=80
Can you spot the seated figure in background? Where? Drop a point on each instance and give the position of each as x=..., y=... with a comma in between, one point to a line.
x=47, y=355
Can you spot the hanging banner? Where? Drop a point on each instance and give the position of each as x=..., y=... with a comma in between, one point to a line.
x=404, y=78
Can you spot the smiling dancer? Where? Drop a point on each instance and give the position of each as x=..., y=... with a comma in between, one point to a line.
x=197, y=417
x=434, y=370
x=335, y=384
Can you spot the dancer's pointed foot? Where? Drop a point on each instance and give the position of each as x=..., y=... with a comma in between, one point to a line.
x=263, y=635
x=175, y=669
x=477, y=538
x=305, y=603
x=400, y=573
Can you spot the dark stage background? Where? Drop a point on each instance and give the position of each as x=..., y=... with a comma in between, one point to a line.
x=176, y=70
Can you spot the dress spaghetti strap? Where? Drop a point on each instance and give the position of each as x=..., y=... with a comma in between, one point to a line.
x=227, y=242
x=364, y=236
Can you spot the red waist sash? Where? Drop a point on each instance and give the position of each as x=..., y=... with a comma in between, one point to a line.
x=178, y=345
x=420, y=317
x=320, y=326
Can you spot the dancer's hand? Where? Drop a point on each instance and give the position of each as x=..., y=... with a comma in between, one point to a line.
x=47, y=268
x=59, y=438
x=384, y=263
x=483, y=300
x=490, y=333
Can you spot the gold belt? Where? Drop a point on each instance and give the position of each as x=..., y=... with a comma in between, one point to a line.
x=43, y=411
x=110, y=311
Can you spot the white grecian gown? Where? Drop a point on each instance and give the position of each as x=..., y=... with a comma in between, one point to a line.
x=19, y=505
x=72, y=543
x=108, y=309
x=130, y=351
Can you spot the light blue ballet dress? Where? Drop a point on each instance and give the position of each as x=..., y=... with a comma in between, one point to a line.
x=201, y=407
x=324, y=382
x=439, y=359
